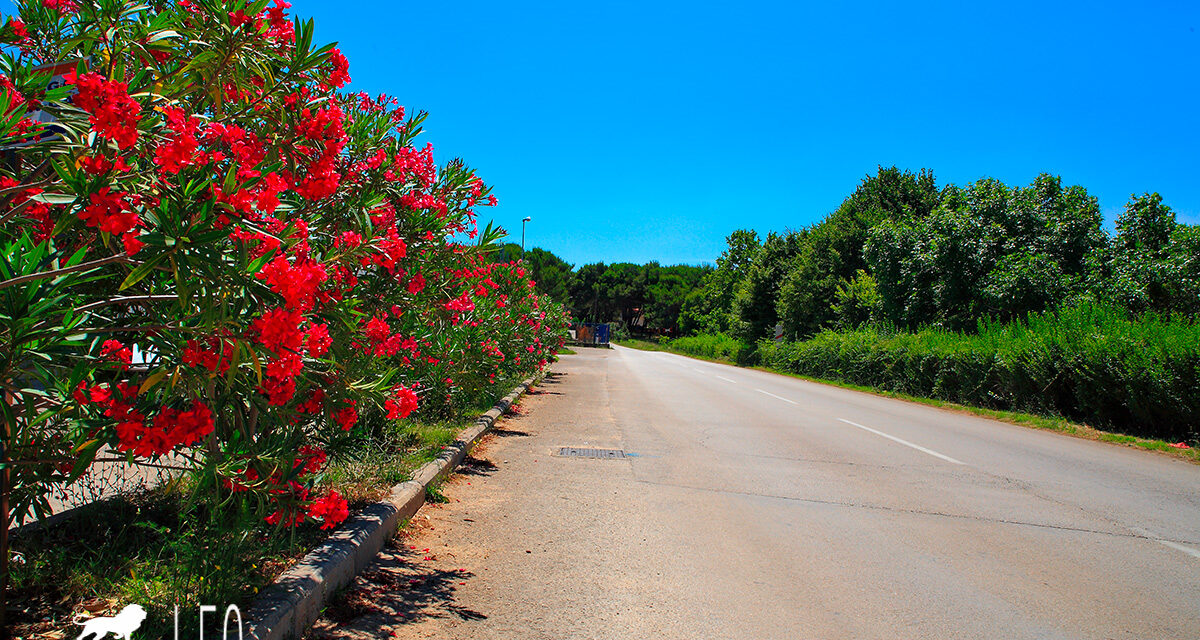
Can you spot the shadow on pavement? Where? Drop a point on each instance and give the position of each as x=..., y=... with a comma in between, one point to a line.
x=400, y=589
x=473, y=466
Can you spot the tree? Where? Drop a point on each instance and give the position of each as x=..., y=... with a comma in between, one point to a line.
x=666, y=296
x=856, y=303
x=589, y=303
x=709, y=309
x=551, y=273
x=1155, y=262
x=754, y=303
x=987, y=251
x=831, y=252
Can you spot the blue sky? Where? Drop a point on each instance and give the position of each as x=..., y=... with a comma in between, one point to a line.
x=632, y=131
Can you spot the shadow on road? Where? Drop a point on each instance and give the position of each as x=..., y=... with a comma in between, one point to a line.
x=473, y=466
x=400, y=589
x=508, y=433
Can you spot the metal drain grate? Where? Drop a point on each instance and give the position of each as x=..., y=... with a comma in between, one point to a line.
x=600, y=454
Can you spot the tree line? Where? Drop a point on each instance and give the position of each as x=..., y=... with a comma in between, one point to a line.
x=641, y=298
x=901, y=251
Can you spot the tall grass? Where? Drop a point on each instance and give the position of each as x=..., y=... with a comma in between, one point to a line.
x=717, y=346
x=1092, y=364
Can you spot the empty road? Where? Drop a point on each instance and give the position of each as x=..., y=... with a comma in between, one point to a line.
x=759, y=506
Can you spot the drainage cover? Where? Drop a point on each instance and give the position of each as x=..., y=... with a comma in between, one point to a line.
x=602, y=454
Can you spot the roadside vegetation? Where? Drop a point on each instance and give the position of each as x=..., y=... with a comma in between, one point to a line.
x=162, y=546
x=1000, y=297
x=216, y=259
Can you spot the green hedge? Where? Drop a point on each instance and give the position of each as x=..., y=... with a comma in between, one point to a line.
x=713, y=345
x=1091, y=364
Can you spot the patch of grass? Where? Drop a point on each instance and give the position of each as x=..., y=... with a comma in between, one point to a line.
x=433, y=493
x=366, y=472
x=641, y=345
x=566, y=352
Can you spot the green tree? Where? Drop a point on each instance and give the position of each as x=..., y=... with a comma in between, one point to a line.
x=709, y=308
x=588, y=301
x=987, y=250
x=831, y=252
x=1155, y=261
x=667, y=294
x=754, y=303
x=551, y=274
x=856, y=303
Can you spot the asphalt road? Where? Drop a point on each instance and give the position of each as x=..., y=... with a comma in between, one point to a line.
x=759, y=506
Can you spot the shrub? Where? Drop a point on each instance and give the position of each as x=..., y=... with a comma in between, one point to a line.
x=214, y=258
x=1091, y=363
x=711, y=345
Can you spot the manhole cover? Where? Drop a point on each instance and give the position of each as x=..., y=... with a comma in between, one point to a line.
x=603, y=454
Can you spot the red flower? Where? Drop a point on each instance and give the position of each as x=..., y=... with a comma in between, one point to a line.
x=297, y=283
x=311, y=458
x=332, y=510
x=115, y=115
x=346, y=417
x=108, y=211
x=195, y=355
x=179, y=150
x=95, y=166
x=317, y=340
x=132, y=243
x=341, y=69
x=285, y=366
x=348, y=239
x=279, y=331
x=461, y=303
x=279, y=390
x=65, y=6
x=416, y=284
x=114, y=351
x=377, y=330
x=19, y=30
x=404, y=403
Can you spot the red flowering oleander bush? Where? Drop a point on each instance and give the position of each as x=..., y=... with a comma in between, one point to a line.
x=214, y=259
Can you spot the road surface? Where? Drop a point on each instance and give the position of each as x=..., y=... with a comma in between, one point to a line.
x=760, y=506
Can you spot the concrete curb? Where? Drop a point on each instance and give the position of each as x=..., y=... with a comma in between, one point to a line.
x=294, y=602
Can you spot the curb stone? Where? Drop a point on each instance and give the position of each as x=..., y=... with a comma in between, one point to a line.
x=295, y=601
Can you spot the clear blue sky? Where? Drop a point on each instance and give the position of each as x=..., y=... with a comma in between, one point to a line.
x=633, y=131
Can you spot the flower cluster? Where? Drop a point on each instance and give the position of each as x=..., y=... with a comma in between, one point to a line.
x=114, y=114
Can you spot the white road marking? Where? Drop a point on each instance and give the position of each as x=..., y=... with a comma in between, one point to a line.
x=1178, y=547
x=904, y=442
x=775, y=396
x=696, y=369
x=1167, y=543
x=727, y=379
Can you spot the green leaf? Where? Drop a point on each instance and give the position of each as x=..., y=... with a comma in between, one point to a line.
x=54, y=198
x=162, y=35
x=142, y=271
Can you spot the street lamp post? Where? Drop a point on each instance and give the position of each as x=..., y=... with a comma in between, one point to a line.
x=527, y=219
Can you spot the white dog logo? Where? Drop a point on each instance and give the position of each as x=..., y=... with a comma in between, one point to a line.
x=121, y=625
